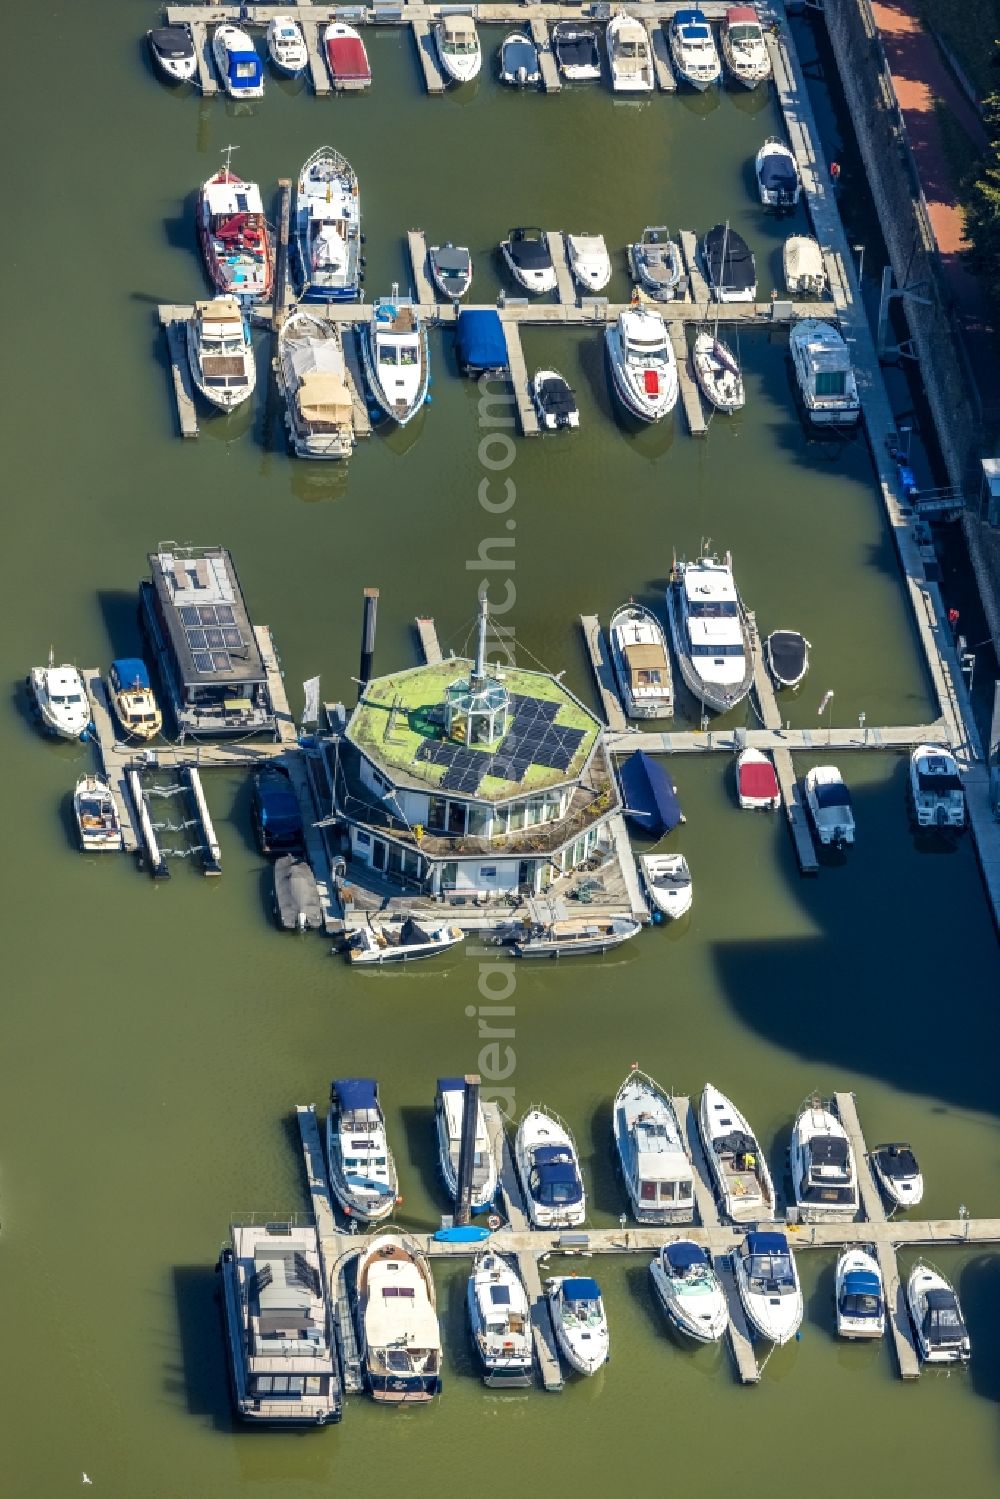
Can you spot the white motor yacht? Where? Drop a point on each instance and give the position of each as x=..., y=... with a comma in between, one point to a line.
x=286, y=46
x=548, y=1165
x=757, y=782
x=239, y=66
x=629, y=55
x=401, y=939
x=824, y=373
x=554, y=402
x=942, y=1337
x=738, y=1165
x=651, y=1152
x=311, y=375
x=396, y=356
x=656, y=264
x=803, y=266
x=688, y=1289
x=579, y=1320
x=829, y=804
x=589, y=260
x=575, y=935
x=778, y=181
x=172, y=49
x=451, y=269
x=744, y=50
x=936, y=788
x=768, y=1282
x=449, y=1111
x=397, y=1319
x=642, y=662
x=823, y=1169
x=897, y=1173
x=220, y=352
x=526, y=252
x=710, y=633
x=457, y=42
x=643, y=364
x=668, y=883
x=693, y=50
x=327, y=228
x=96, y=816
x=61, y=699
x=361, y=1166
x=717, y=371
x=860, y=1295
x=577, y=53
x=519, y=66
x=500, y=1318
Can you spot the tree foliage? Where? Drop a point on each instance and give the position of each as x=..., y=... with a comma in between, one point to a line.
x=982, y=218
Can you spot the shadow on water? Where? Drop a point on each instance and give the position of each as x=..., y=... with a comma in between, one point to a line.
x=202, y=1380
x=979, y=1292
x=821, y=1307
x=605, y=1188
x=420, y=1152
x=462, y=1361
x=119, y=610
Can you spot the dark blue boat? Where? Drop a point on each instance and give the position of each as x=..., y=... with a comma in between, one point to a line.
x=649, y=794
x=276, y=813
x=480, y=343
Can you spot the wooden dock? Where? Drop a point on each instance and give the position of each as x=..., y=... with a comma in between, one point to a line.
x=286, y=733
x=629, y=869
x=335, y=1256
x=527, y=416
x=542, y=1333
x=659, y=49
x=203, y=57
x=423, y=286
x=551, y=82
x=316, y=1179
x=724, y=741
x=704, y=1193
x=791, y=799
x=114, y=770
x=318, y=70
x=180, y=374
x=694, y=411
x=434, y=76
x=427, y=635
x=565, y=285
x=600, y=663
x=699, y=286
x=282, y=283
x=871, y=1197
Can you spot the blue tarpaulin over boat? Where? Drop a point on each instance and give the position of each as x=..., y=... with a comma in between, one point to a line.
x=692, y=25
x=356, y=1093
x=862, y=1283
x=650, y=798
x=130, y=673
x=480, y=342
x=683, y=1254
x=777, y=172
x=245, y=70
x=767, y=1243
x=581, y=1288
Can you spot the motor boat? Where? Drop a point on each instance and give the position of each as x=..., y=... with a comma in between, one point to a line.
x=688, y=1289
x=234, y=237
x=757, y=782
x=649, y=796
x=361, y=1166
x=327, y=228
x=643, y=364
x=651, y=1152
x=449, y=1112
x=529, y=261
x=398, y=1323
x=297, y=905
x=823, y=1169
x=286, y=46
x=709, y=628
x=500, y=1319
x=897, y=1173
x=396, y=356
x=768, y=1282
x=693, y=50
x=629, y=55
x=519, y=65
x=668, y=883
x=786, y=653
x=451, y=269
x=132, y=699
x=738, y=1165
x=576, y=934
x=859, y=1294
x=744, y=50
x=777, y=173
x=803, y=266
x=829, y=804
x=97, y=819
x=821, y=360
x=311, y=375
x=656, y=264
x=480, y=344
x=936, y=1312
x=579, y=1320
x=346, y=56
x=172, y=50
x=220, y=352
x=717, y=371
x=642, y=662
x=589, y=260
x=277, y=817
x=240, y=68
x=401, y=939
x=457, y=42
x=729, y=265
x=61, y=699
x=936, y=788
x=554, y=402
x=577, y=53
x=548, y=1165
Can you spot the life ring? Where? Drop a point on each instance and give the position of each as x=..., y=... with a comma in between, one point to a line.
x=494, y=1221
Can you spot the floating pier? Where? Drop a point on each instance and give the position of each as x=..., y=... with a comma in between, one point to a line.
x=286, y=731
x=104, y=729
x=526, y=414
x=659, y=49
x=551, y=82
x=180, y=374
x=203, y=57
x=699, y=286
x=318, y=71
x=738, y=1333
x=155, y=861
x=629, y=869
x=211, y=854
x=795, y=812
x=694, y=411
x=315, y=841
x=334, y=1256
x=434, y=76
x=600, y=663
x=281, y=278
x=423, y=286
x=356, y=384
x=565, y=286
x=427, y=635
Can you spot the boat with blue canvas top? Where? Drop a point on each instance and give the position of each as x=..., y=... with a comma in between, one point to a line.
x=693, y=50
x=654, y=1162
x=361, y=1165
x=688, y=1289
x=860, y=1295
x=580, y=1322
x=327, y=228
x=649, y=794
x=131, y=694
x=277, y=816
x=768, y=1282
x=777, y=172
x=240, y=69
x=449, y=1112
x=480, y=343
x=548, y=1164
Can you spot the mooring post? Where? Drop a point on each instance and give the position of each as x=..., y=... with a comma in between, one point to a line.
x=367, y=640
x=467, y=1150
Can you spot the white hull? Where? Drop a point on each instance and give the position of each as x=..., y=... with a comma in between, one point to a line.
x=720, y=697
x=901, y=1191
x=589, y=262
x=403, y=402
x=628, y=627
x=925, y=1279
x=941, y=805
x=97, y=816
x=703, y=1316
x=718, y=373
x=368, y=1206
x=629, y=56
x=850, y=1324
x=668, y=883
x=824, y=1191
x=69, y=720
x=286, y=46
x=485, y=1190
x=629, y=380
x=744, y=1196
x=833, y=825
x=501, y=1322
x=537, y=282
x=584, y=1346
x=411, y=952
x=222, y=397
x=229, y=39
x=536, y=1129
x=748, y=801
x=459, y=67
x=774, y=1314
x=783, y=196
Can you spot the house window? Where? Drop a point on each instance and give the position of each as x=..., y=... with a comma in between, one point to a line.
x=395, y=859
x=449, y=876
x=363, y=839
x=456, y=819
x=411, y=863
x=487, y=871
x=517, y=817
x=479, y=822
x=378, y=854
x=437, y=814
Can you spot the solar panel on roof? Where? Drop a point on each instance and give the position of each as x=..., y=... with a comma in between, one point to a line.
x=188, y=614
x=202, y=660
x=206, y=614
x=215, y=640
x=232, y=638
x=197, y=640
x=224, y=614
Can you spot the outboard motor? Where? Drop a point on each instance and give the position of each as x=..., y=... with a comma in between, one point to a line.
x=522, y=75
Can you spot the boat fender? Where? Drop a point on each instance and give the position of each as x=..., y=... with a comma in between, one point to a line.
x=428, y=400
x=362, y=237
x=362, y=261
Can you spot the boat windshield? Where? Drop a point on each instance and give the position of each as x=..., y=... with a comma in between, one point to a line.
x=222, y=345
x=744, y=33
x=649, y=346
x=770, y=1274
x=860, y=1306
x=69, y=701
x=831, y=382
x=713, y=609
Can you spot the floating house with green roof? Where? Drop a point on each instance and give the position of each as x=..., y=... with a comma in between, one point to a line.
x=464, y=778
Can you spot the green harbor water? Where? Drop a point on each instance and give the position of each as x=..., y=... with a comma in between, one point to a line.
x=156, y=1038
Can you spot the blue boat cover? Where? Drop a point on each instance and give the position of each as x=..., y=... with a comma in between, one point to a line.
x=832, y=794
x=469, y=1234
x=451, y=1084
x=777, y=172
x=276, y=799
x=582, y=1289
x=130, y=673
x=479, y=341
x=650, y=798
x=546, y=1155
x=862, y=1283
x=245, y=70
x=356, y=1092
x=767, y=1243
x=684, y=1254
x=692, y=17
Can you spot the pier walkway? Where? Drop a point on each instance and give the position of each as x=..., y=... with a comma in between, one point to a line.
x=659, y=49
x=814, y=741
x=115, y=771
x=527, y=416
x=696, y=280
x=180, y=373
x=565, y=284
x=694, y=411
x=416, y=243
x=600, y=662
x=429, y=645
x=551, y=82
x=795, y=812
x=434, y=78
x=629, y=868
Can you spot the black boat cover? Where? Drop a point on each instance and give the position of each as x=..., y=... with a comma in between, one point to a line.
x=172, y=41
x=777, y=172
x=897, y=1161
x=575, y=46
x=556, y=398
x=787, y=650
x=451, y=261
x=740, y=270
x=530, y=253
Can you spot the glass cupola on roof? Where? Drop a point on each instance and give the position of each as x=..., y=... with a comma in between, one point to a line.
x=477, y=707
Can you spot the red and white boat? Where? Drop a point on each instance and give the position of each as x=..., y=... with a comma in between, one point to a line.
x=346, y=56
x=234, y=238
x=757, y=782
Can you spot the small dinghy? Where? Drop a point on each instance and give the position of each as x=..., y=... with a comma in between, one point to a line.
x=296, y=899
x=172, y=50
x=729, y=265
x=936, y=788
x=629, y=55
x=688, y=1289
x=220, y=353
x=656, y=264
x=396, y=356
x=239, y=66
x=519, y=61
x=860, y=1295
x=131, y=694
x=589, y=260
x=898, y=1175
x=668, y=883
x=717, y=372
x=777, y=173
x=562, y=939
x=942, y=1337
x=286, y=46
x=803, y=266
x=643, y=364
x=548, y=1165
x=529, y=261
x=757, y=782
x=579, y=1320
x=743, y=1183
x=451, y=269
x=457, y=42
x=449, y=1114
x=578, y=56
x=642, y=662
x=361, y=1165
x=400, y=939
x=651, y=1153
x=500, y=1320
x=768, y=1282
x=346, y=56
x=693, y=50
x=786, y=653
x=96, y=816
x=61, y=699
x=829, y=804
x=744, y=50
x=553, y=400
x=823, y=1169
